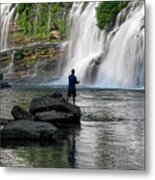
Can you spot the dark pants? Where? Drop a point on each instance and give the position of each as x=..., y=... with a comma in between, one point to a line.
x=71, y=93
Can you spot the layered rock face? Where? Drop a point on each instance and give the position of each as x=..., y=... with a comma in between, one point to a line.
x=32, y=60
x=55, y=110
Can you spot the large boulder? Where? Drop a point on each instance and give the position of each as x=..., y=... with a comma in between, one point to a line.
x=19, y=113
x=28, y=130
x=56, y=117
x=63, y=110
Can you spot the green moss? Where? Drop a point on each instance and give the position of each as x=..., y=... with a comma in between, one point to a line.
x=107, y=11
x=30, y=61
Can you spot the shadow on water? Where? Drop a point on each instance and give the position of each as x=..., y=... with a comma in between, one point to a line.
x=58, y=154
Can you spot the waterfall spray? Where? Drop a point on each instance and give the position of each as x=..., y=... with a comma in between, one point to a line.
x=85, y=39
x=124, y=62
x=114, y=59
x=7, y=12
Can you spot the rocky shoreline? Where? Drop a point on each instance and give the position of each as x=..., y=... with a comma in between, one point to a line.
x=43, y=122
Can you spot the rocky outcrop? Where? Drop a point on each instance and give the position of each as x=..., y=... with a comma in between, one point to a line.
x=55, y=35
x=55, y=109
x=51, y=108
x=49, y=102
x=28, y=130
x=19, y=113
x=41, y=57
x=46, y=114
x=57, y=118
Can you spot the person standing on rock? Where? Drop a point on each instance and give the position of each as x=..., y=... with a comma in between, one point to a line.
x=72, y=86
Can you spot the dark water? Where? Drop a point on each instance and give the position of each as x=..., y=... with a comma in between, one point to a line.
x=111, y=135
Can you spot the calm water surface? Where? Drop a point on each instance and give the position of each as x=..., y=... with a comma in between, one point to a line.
x=111, y=135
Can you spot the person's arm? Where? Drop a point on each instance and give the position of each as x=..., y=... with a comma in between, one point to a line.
x=76, y=82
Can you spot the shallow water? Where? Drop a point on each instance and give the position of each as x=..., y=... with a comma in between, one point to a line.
x=111, y=135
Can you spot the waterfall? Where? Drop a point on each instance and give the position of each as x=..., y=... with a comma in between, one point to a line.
x=85, y=39
x=124, y=62
x=113, y=59
x=11, y=65
x=7, y=12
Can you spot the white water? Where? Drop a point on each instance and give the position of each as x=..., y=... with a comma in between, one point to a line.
x=9, y=70
x=85, y=40
x=7, y=12
x=115, y=59
x=124, y=63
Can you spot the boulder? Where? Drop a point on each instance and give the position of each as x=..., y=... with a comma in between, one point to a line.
x=57, y=118
x=28, y=130
x=19, y=113
x=55, y=35
x=59, y=104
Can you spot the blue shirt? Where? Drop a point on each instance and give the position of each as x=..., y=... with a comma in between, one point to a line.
x=72, y=81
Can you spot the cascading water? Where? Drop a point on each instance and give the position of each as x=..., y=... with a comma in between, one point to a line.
x=85, y=39
x=115, y=59
x=7, y=12
x=101, y=58
x=124, y=62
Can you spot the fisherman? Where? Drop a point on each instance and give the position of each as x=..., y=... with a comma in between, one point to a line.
x=72, y=86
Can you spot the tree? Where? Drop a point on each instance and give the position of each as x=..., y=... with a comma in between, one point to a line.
x=107, y=11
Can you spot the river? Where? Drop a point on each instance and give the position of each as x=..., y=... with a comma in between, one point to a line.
x=111, y=134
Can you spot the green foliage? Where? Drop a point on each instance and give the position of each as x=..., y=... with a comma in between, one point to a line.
x=21, y=8
x=107, y=11
x=24, y=7
x=62, y=26
x=31, y=61
x=24, y=11
x=36, y=24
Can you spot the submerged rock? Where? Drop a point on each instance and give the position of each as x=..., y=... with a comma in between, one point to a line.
x=51, y=108
x=19, y=113
x=28, y=130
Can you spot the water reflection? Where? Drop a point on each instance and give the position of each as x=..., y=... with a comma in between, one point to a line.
x=111, y=135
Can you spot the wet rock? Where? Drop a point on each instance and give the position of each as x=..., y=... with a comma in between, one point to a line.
x=55, y=109
x=59, y=104
x=19, y=113
x=57, y=118
x=28, y=130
